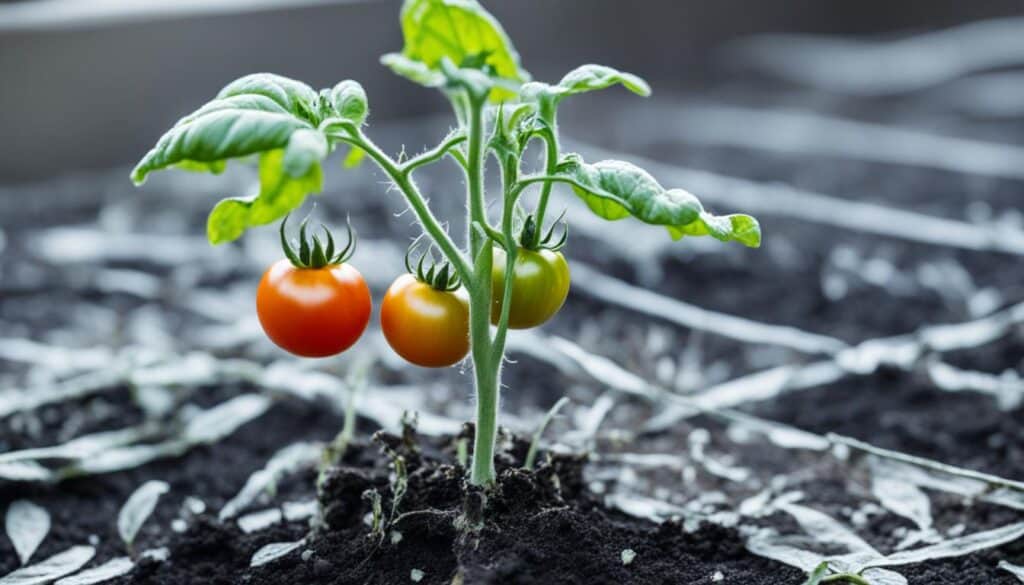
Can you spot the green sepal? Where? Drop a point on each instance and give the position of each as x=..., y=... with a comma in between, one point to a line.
x=313, y=255
x=440, y=276
x=304, y=256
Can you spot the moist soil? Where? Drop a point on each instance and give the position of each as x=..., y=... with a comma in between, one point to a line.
x=539, y=526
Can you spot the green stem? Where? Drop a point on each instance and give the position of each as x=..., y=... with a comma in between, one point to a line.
x=551, y=151
x=509, y=177
x=487, y=370
x=433, y=154
x=403, y=180
x=849, y=577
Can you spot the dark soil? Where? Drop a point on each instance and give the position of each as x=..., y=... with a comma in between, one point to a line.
x=963, y=429
x=541, y=527
x=86, y=509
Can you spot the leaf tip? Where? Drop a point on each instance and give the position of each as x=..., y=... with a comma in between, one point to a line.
x=638, y=85
x=138, y=175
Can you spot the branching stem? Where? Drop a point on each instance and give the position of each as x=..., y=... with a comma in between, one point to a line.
x=550, y=165
x=399, y=173
x=439, y=151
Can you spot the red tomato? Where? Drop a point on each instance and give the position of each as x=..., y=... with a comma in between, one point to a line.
x=426, y=326
x=313, y=312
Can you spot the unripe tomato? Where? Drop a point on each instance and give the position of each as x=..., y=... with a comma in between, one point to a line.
x=313, y=312
x=426, y=326
x=539, y=287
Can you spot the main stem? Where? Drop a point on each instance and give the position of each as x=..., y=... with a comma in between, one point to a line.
x=486, y=369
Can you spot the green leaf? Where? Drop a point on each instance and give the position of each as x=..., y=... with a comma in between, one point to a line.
x=583, y=79
x=354, y=158
x=817, y=574
x=279, y=193
x=348, y=100
x=220, y=134
x=616, y=189
x=294, y=96
x=236, y=102
x=306, y=147
x=593, y=77
x=263, y=114
x=216, y=167
x=414, y=71
x=252, y=115
x=461, y=31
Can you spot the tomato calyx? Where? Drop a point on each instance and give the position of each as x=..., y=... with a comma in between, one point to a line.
x=439, y=275
x=313, y=253
x=530, y=239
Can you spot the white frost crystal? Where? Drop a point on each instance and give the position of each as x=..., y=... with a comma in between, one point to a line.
x=627, y=556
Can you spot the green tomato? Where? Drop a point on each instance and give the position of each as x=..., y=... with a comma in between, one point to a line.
x=539, y=286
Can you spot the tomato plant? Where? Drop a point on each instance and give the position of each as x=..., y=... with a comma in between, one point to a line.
x=458, y=47
x=312, y=302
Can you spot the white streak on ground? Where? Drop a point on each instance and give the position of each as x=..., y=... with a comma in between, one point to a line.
x=620, y=293
x=905, y=499
x=111, y=569
x=806, y=134
x=991, y=95
x=871, y=67
x=51, y=569
x=954, y=547
x=953, y=483
x=651, y=509
x=991, y=480
x=286, y=461
x=1007, y=389
x=579, y=362
x=826, y=529
x=1014, y=570
x=261, y=520
x=756, y=387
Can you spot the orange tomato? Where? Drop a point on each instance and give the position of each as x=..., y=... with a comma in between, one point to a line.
x=426, y=326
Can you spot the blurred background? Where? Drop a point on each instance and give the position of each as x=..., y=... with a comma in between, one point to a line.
x=90, y=84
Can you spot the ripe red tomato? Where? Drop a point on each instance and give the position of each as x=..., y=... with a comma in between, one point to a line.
x=313, y=312
x=539, y=287
x=426, y=326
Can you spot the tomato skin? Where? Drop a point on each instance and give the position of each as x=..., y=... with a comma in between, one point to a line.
x=426, y=326
x=539, y=287
x=313, y=312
